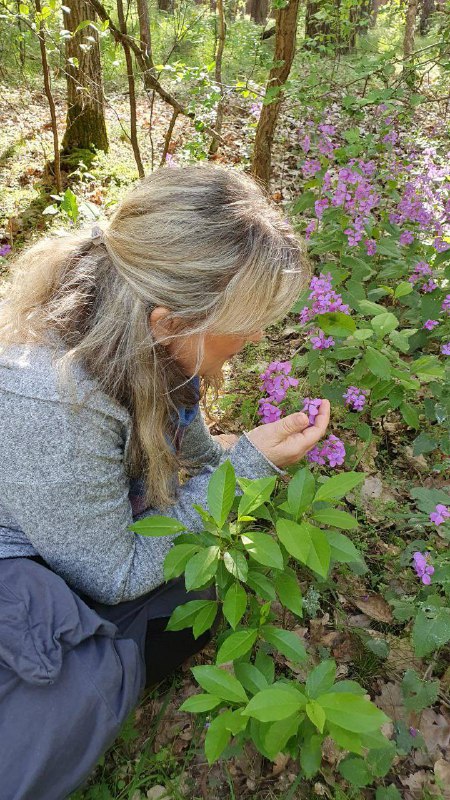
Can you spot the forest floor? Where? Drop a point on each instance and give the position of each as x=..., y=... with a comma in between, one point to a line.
x=159, y=754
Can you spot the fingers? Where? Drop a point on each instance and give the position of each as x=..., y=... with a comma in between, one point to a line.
x=311, y=435
x=294, y=423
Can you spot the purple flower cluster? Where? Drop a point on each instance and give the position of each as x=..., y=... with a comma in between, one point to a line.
x=445, y=349
x=355, y=398
x=424, y=569
x=406, y=237
x=323, y=299
x=321, y=342
x=371, y=246
x=440, y=245
x=5, y=249
x=311, y=166
x=421, y=271
x=255, y=109
x=356, y=195
x=331, y=450
x=446, y=304
x=430, y=324
x=440, y=514
x=311, y=407
x=275, y=382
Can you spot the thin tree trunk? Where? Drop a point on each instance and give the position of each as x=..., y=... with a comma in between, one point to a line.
x=427, y=9
x=218, y=77
x=21, y=38
x=168, y=137
x=144, y=29
x=131, y=90
x=408, y=42
x=86, y=128
x=285, y=40
x=51, y=102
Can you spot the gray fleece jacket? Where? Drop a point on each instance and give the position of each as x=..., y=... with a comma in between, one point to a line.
x=64, y=491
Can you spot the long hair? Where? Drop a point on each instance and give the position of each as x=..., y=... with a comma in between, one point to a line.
x=203, y=241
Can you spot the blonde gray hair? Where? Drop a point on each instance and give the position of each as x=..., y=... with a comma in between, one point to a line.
x=203, y=241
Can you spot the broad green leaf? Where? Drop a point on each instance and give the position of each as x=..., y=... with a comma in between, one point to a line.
x=424, y=443
x=234, y=604
x=275, y=703
x=403, y=289
x=300, y=492
x=355, y=772
x=335, y=323
x=371, y=309
x=311, y=755
x=361, y=334
x=410, y=415
x=220, y=683
x=261, y=585
x=295, y=539
x=221, y=491
x=184, y=616
x=321, y=678
x=335, y=518
x=255, y=494
x=279, y=733
x=345, y=739
x=205, y=618
x=236, y=563
x=338, y=486
x=265, y=664
x=431, y=630
x=156, y=526
x=388, y=793
x=352, y=713
x=177, y=558
x=287, y=642
x=250, y=676
x=377, y=363
x=201, y=567
x=236, y=645
x=384, y=323
x=217, y=738
x=342, y=548
x=263, y=548
x=319, y=555
x=379, y=761
x=316, y=714
x=288, y=591
x=199, y=703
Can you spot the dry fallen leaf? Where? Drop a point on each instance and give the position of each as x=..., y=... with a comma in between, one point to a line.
x=280, y=763
x=442, y=772
x=390, y=700
x=373, y=606
x=435, y=729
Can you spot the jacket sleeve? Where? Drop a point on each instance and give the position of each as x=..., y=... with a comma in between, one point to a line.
x=62, y=478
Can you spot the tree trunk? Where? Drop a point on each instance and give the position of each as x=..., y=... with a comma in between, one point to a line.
x=427, y=9
x=165, y=5
x=317, y=29
x=408, y=43
x=144, y=29
x=131, y=90
x=258, y=11
x=285, y=39
x=85, y=124
x=218, y=75
x=51, y=102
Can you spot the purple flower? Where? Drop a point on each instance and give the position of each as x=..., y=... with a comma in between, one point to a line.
x=440, y=245
x=420, y=270
x=446, y=304
x=276, y=381
x=371, y=246
x=5, y=249
x=310, y=228
x=355, y=398
x=321, y=342
x=413, y=732
x=332, y=450
x=306, y=144
x=445, y=349
x=406, y=237
x=320, y=206
x=429, y=286
x=255, y=109
x=440, y=514
x=423, y=568
x=268, y=412
x=311, y=407
x=170, y=161
x=430, y=324
x=391, y=137
x=310, y=167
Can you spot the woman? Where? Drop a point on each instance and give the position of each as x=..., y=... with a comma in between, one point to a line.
x=105, y=341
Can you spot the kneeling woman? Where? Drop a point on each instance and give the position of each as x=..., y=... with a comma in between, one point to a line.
x=107, y=343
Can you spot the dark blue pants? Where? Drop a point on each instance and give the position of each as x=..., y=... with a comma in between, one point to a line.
x=71, y=670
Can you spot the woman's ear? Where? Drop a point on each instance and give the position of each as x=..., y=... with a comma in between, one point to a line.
x=159, y=325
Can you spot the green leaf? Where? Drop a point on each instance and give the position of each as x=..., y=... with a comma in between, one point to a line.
x=431, y=630
x=217, y=738
x=236, y=645
x=234, y=604
x=184, y=616
x=403, y=289
x=221, y=491
x=201, y=567
x=388, y=793
x=410, y=415
x=335, y=518
x=265, y=664
x=289, y=593
x=220, y=683
x=384, y=323
x=321, y=678
x=306, y=543
x=335, y=323
x=199, y=703
x=377, y=363
x=279, y=733
x=379, y=760
x=157, y=526
x=255, y=494
x=263, y=548
x=275, y=703
x=300, y=492
x=316, y=714
x=345, y=739
x=338, y=486
x=342, y=548
x=261, y=585
x=352, y=713
x=286, y=642
x=370, y=309
x=177, y=558
x=311, y=755
x=250, y=676
x=305, y=201
x=355, y=772
x=236, y=563
x=205, y=618
x=423, y=444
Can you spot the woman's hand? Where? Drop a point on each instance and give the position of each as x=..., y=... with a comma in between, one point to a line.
x=285, y=442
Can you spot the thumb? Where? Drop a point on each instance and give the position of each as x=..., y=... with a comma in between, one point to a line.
x=294, y=423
